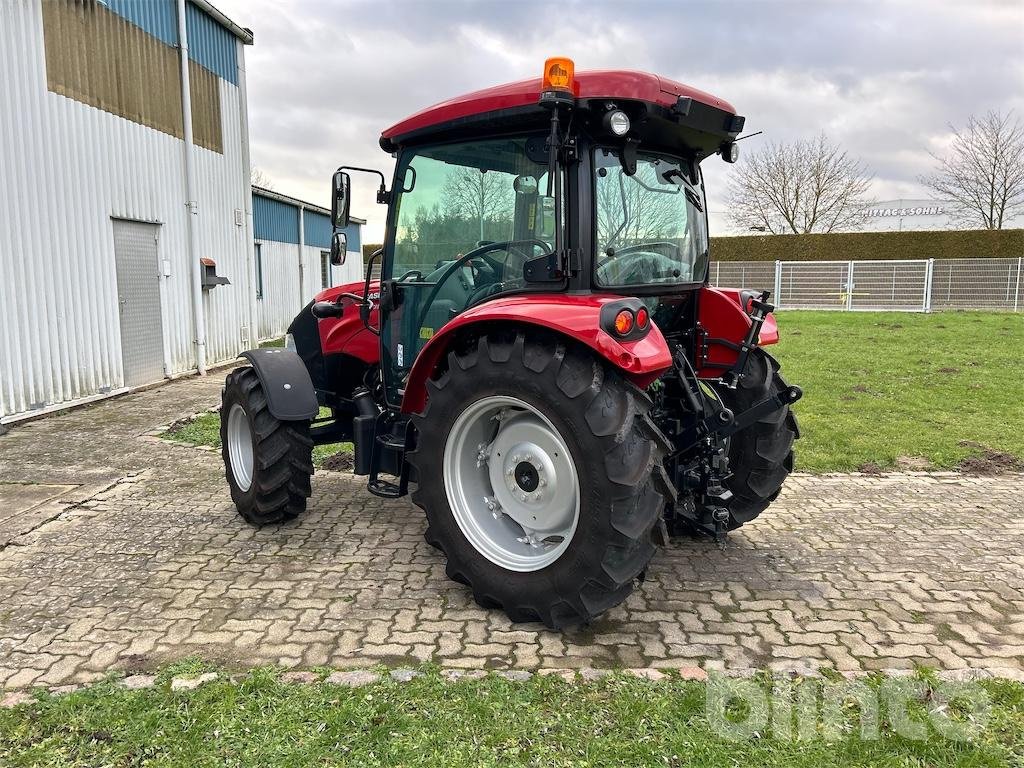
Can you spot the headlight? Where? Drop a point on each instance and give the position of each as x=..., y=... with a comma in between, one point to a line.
x=617, y=122
x=289, y=342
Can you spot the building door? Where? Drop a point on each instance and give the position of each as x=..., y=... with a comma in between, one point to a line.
x=138, y=299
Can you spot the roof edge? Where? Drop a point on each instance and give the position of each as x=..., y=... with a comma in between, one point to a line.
x=242, y=33
x=289, y=200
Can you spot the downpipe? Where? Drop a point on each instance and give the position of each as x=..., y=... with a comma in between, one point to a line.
x=191, y=201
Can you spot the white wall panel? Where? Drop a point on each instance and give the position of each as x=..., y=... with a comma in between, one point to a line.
x=282, y=297
x=66, y=170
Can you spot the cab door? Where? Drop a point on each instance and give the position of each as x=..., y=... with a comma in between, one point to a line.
x=465, y=220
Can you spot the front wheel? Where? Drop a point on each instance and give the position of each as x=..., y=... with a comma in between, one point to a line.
x=268, y=463
x=537, y=468
x=760, y=456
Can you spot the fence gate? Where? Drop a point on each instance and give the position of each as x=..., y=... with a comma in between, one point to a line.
x=138, y=300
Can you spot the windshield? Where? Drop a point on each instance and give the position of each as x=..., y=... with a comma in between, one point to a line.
x=650, y=226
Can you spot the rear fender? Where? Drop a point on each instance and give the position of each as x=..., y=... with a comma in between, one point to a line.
x=723, y=324
x=574, y=317
x=286, y=383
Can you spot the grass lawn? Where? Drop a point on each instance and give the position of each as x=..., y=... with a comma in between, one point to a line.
x=205, y=430
x=883, y=385
x=545, y=721
x=882, y=390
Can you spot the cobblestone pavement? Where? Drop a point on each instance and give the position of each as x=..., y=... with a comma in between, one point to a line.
x=141, y=559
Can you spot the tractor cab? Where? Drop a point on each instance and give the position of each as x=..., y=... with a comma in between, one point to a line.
x=582, y=183
x=542, y=360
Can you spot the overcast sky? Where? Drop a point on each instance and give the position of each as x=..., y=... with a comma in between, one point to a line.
x=884, y=79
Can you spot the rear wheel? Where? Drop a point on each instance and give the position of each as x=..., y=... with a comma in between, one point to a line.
x=537, y=469
x=760, y=456
x=268, y=463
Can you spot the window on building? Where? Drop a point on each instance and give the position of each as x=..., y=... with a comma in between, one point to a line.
x=259, y=272
x=325, y=269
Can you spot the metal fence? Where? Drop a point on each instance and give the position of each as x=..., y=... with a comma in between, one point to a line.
x=906, y=286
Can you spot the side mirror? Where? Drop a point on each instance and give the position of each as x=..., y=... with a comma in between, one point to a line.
x=341, y=187
x=339, y=248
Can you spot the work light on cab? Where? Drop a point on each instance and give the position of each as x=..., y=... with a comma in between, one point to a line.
x=616, y=122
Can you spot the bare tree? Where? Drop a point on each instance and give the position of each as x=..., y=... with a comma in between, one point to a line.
x=472, y=194
x=983, y=174
x=798, y=188
x=259, y=179
x=635, y=209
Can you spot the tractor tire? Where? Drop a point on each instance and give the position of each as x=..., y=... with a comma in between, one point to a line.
x=268, y=463
x=533, y=396
x=760, y=456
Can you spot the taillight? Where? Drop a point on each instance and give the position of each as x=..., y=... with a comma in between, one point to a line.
x=624, y=322
x=642, y=318
x=626, y=319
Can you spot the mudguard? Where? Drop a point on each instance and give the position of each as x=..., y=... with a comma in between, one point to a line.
x=577, y=317
x=286, y=383
x=723, y=324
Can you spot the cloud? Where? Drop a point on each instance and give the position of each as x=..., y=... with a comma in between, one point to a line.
x=884, y=79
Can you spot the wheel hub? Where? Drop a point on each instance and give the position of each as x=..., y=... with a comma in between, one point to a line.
x=527, y=476
x=511, y=483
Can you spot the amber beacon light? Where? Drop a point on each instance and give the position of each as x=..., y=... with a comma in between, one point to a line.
x=558, y=74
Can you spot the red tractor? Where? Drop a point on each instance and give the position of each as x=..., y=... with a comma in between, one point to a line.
x=542, y=360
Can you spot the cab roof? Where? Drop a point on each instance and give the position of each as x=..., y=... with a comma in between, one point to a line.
x=524, y=94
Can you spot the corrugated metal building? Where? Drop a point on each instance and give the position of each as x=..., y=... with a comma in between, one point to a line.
x=293, y=241
x=124, y=162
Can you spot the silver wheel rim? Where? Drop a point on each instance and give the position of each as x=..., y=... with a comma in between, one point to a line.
x=511, y=483
x=240, y=449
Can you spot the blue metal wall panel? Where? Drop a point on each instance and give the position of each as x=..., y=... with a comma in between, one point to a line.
x=318, y=229
x=210, y=45
x=274, y=220
x=157, y=17
x=354, y=232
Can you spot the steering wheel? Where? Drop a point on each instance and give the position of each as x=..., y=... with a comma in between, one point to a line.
x=640, y=247
x=411, y=273
x=479, y=252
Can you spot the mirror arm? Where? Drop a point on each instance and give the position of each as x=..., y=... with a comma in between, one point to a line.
x=383, y=196
x=366, y=305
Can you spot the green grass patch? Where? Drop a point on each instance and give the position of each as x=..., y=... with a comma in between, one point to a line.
x=272, y=343
x=882, y=390
x=259, y=721
x=204, y=429
x=881, y=386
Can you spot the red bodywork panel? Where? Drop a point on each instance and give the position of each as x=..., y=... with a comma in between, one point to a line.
x=720, y=316
x=599, y=84
x=577, y=317
x=347, y=334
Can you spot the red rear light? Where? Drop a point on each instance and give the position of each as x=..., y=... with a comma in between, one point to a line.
x=624, y=322
x=642, y=318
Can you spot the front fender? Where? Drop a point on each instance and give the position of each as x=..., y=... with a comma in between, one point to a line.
x=286, y=383
x=575, y=317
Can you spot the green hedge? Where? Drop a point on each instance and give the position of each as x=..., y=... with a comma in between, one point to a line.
x=855, y=246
